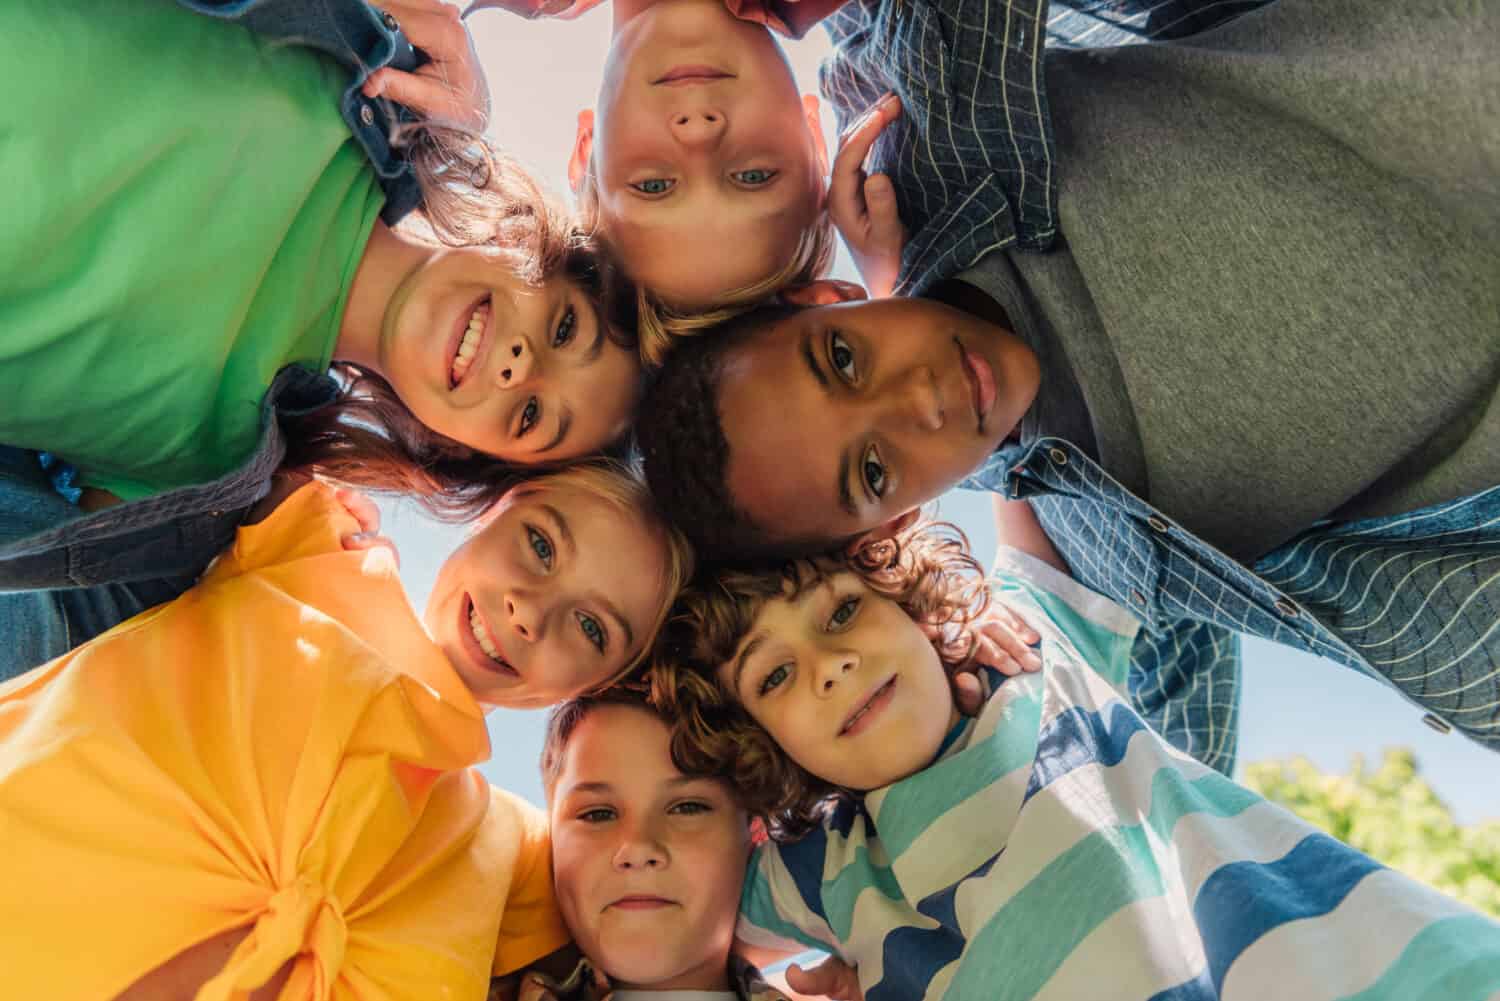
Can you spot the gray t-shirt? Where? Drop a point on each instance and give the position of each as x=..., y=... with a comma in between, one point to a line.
x=1280, y=295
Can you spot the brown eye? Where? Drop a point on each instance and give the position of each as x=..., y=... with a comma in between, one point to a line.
x=873, y=471
x=841, y=357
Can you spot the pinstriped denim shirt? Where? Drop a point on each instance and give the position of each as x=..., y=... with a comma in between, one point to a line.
x=971, y=161
x=176, y=534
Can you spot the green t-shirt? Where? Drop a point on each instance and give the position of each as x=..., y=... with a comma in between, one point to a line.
x=184, y=211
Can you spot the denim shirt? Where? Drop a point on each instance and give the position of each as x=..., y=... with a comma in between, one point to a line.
x=977, y=179
x=361, y=37
x=176, y=534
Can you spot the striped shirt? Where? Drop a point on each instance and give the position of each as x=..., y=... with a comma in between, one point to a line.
x=1060, y=849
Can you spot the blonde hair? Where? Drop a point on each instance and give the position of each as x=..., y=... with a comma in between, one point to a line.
x=617, y=485
x=659, y=324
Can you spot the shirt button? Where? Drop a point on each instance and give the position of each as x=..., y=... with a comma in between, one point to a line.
x=1058, y=456
x=366, y=114
x=1158, y=524
x=1137, y=597
x=1437, y=723
x=1286, y=608
x=389, y=21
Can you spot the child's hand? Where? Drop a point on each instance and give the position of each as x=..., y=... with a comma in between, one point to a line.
x=368, y=515
x=529, y=9
x=832, y=978
x=862, y=208
x=451, y=86
x=1005, y=641
x=1004, y=644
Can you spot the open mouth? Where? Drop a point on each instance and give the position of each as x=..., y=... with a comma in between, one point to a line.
x=861, y=717
x=484, y=643
x=981, y=380
x=470, y=338
x=689, y=75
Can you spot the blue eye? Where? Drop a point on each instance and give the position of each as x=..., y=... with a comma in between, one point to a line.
x=597, y=815
x=775, y=678
x=593, y=631
x=541, y=545
x=654, y=185
x=844, y=612
x=755, y=178
x=529, y=416
x=566, y=328
x=691, y=808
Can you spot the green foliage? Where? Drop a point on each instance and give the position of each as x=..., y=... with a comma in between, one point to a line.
x=1391, y=814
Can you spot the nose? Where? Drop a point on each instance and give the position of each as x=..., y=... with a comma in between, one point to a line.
x=915, y=402
x=701, y=129
x=516, y=362
x=831, y=668
x=526, y=615
x=639, y=847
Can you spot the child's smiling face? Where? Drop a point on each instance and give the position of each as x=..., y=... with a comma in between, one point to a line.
x=708, y=165
x=647, y=862
x=556, y=594
x=885, y=403
x=845, y=682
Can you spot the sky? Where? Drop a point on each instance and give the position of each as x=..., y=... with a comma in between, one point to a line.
x=541, y=74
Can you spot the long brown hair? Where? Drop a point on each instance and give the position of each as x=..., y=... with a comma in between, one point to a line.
x=472, y=195
x=927, y=570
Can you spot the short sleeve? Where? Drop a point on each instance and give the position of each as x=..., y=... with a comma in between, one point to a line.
x=532, y=926
x=781, y=904
x=310, y=522
x=1100, y=629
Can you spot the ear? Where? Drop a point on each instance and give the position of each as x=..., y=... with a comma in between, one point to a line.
x=885, y=530
x=823, y=292
x=583, y=150
x=812, y=114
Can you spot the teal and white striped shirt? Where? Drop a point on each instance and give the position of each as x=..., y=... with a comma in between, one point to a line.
x=1059, y=849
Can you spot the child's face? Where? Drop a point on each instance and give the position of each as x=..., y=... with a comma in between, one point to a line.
x=647, y=862
x=708, y=164
x=555, y=595
x=525, y=374
x=845, y=682
x=886, y=403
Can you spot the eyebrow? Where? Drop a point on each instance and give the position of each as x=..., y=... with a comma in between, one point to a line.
x=810, y=358
x=605, y=787
x=564, y=423
x=610, y=607
x=739, y=662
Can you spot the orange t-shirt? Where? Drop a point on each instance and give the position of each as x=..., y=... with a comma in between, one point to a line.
x=282, y=748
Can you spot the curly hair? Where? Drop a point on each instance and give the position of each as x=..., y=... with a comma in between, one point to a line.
x=685, y=453
x=927, y=570
x=473, y=195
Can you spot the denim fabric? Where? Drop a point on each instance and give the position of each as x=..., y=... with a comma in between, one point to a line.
x=48, y=543
x=1412, y=599
x=364, y=39
x=973, y=156
x=40, y=625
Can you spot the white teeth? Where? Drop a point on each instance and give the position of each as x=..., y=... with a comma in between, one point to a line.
x=482, y=637
x=469, y=346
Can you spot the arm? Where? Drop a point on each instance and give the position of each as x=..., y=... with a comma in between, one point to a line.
x=1016, y=526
